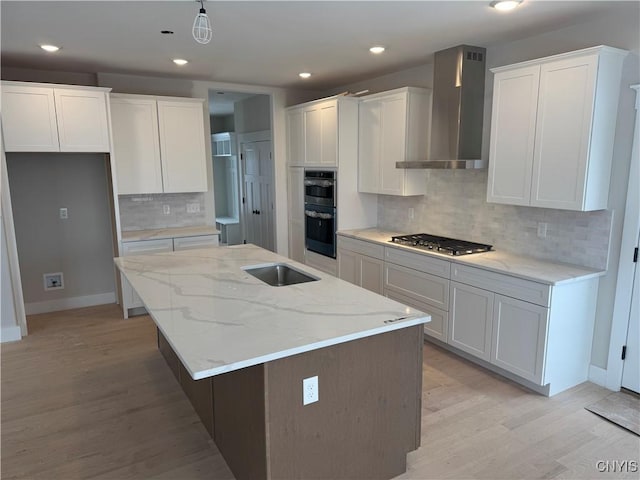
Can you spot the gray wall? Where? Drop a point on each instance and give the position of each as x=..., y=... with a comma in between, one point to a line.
x=252, y=114
x=81, y=246
x=456, y=202
x=222, y=123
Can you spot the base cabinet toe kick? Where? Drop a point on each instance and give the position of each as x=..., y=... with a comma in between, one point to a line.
x=367, y=417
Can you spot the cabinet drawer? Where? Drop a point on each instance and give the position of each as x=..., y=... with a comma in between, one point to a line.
x=527, y=290
x=147, y=246
x=424, y=263
x=201, y=241
x=437, y=327
x=361, y=246
x=420, y=286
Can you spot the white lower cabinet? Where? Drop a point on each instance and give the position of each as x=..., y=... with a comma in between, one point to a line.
x=130, y=298
x=471, y=320
x=537, y=334
x=519, y=337
x=361, y=263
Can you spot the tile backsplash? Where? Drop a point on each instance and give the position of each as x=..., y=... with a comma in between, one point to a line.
x=143, y=212
x=455, y=206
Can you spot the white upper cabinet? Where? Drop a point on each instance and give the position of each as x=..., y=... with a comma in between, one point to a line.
x=54, y=118
x=312, y=131
x=135, y=145
x=394, y=126
x=182, y=146
x=159, y=144
x=552, y=130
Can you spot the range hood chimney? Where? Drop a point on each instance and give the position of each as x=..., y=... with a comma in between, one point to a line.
x=458, y=102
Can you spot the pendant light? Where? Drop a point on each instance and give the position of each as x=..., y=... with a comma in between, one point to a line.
x=202, y=32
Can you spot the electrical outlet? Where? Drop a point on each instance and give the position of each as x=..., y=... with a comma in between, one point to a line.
x=53, y=281
x=309, y=390
x=166, y=209
x=64, y=213
x=542, y=230
x=193, y=207
x=411, y=213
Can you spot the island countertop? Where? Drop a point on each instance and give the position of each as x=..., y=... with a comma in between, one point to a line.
x=218, y=318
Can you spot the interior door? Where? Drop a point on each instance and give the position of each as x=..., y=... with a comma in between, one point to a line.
x=258, y=199
x=631, y=368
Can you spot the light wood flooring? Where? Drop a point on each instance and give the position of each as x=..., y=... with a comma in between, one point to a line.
x=87, y=396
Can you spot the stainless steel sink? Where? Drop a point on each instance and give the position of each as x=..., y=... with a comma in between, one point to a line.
x=279, y=274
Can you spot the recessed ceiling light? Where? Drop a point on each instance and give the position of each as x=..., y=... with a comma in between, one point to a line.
x=180, y=61
x=49, y=48
x=377, y=49
x=304, y=75
x=505, y=5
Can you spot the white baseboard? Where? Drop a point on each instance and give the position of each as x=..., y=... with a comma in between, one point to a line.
x=69, y=303
x=598, y=375
x=10, y=334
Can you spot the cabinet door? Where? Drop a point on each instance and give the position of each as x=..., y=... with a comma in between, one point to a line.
x=437, y=327
x=182, y=146
x=369, y=128
x=471, y=316
x=29, y=119
x=82, y=120
x=563, y=131
x=295, y=137
x=371, y=273
x=320, y=134
x=418, y=285
x=393, y=144
x=329, y=134
x=136, y=145
x=519, y=337
x=348, y=266
x=513, y=124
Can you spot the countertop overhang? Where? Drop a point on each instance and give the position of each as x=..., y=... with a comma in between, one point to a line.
x=218, y=318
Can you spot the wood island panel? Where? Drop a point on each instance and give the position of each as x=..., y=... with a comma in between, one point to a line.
x=366, y=420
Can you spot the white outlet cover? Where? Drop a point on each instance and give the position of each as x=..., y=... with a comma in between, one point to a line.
x=53, y=281
x=310, y=390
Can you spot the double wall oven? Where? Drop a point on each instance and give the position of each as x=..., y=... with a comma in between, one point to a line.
x=320, y=211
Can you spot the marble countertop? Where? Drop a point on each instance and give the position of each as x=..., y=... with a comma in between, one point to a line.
x=175, y=232
x=520, y=266
x=218, y=318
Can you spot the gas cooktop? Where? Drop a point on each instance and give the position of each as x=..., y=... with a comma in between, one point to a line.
x=448, y=246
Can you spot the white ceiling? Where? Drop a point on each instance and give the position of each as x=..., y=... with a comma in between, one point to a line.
x=267, y=42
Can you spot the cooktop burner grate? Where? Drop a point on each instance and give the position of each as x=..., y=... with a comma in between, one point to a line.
x=448, y=246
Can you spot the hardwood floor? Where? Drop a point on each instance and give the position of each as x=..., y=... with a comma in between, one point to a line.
x=88, y=395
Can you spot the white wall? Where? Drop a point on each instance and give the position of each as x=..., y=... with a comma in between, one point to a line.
x=619, y=28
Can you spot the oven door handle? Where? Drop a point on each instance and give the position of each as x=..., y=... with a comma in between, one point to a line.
x=319, y=183
x=314, y=214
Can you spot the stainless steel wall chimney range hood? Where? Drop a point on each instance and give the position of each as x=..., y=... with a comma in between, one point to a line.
x=458, y=102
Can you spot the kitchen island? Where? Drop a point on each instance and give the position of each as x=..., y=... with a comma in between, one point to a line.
x=241, y=349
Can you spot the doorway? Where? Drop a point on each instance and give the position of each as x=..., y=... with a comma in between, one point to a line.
x=257, y=168
x=242, y=167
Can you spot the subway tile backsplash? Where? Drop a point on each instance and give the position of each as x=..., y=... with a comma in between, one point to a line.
x=143, y=212
x=455, y=206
